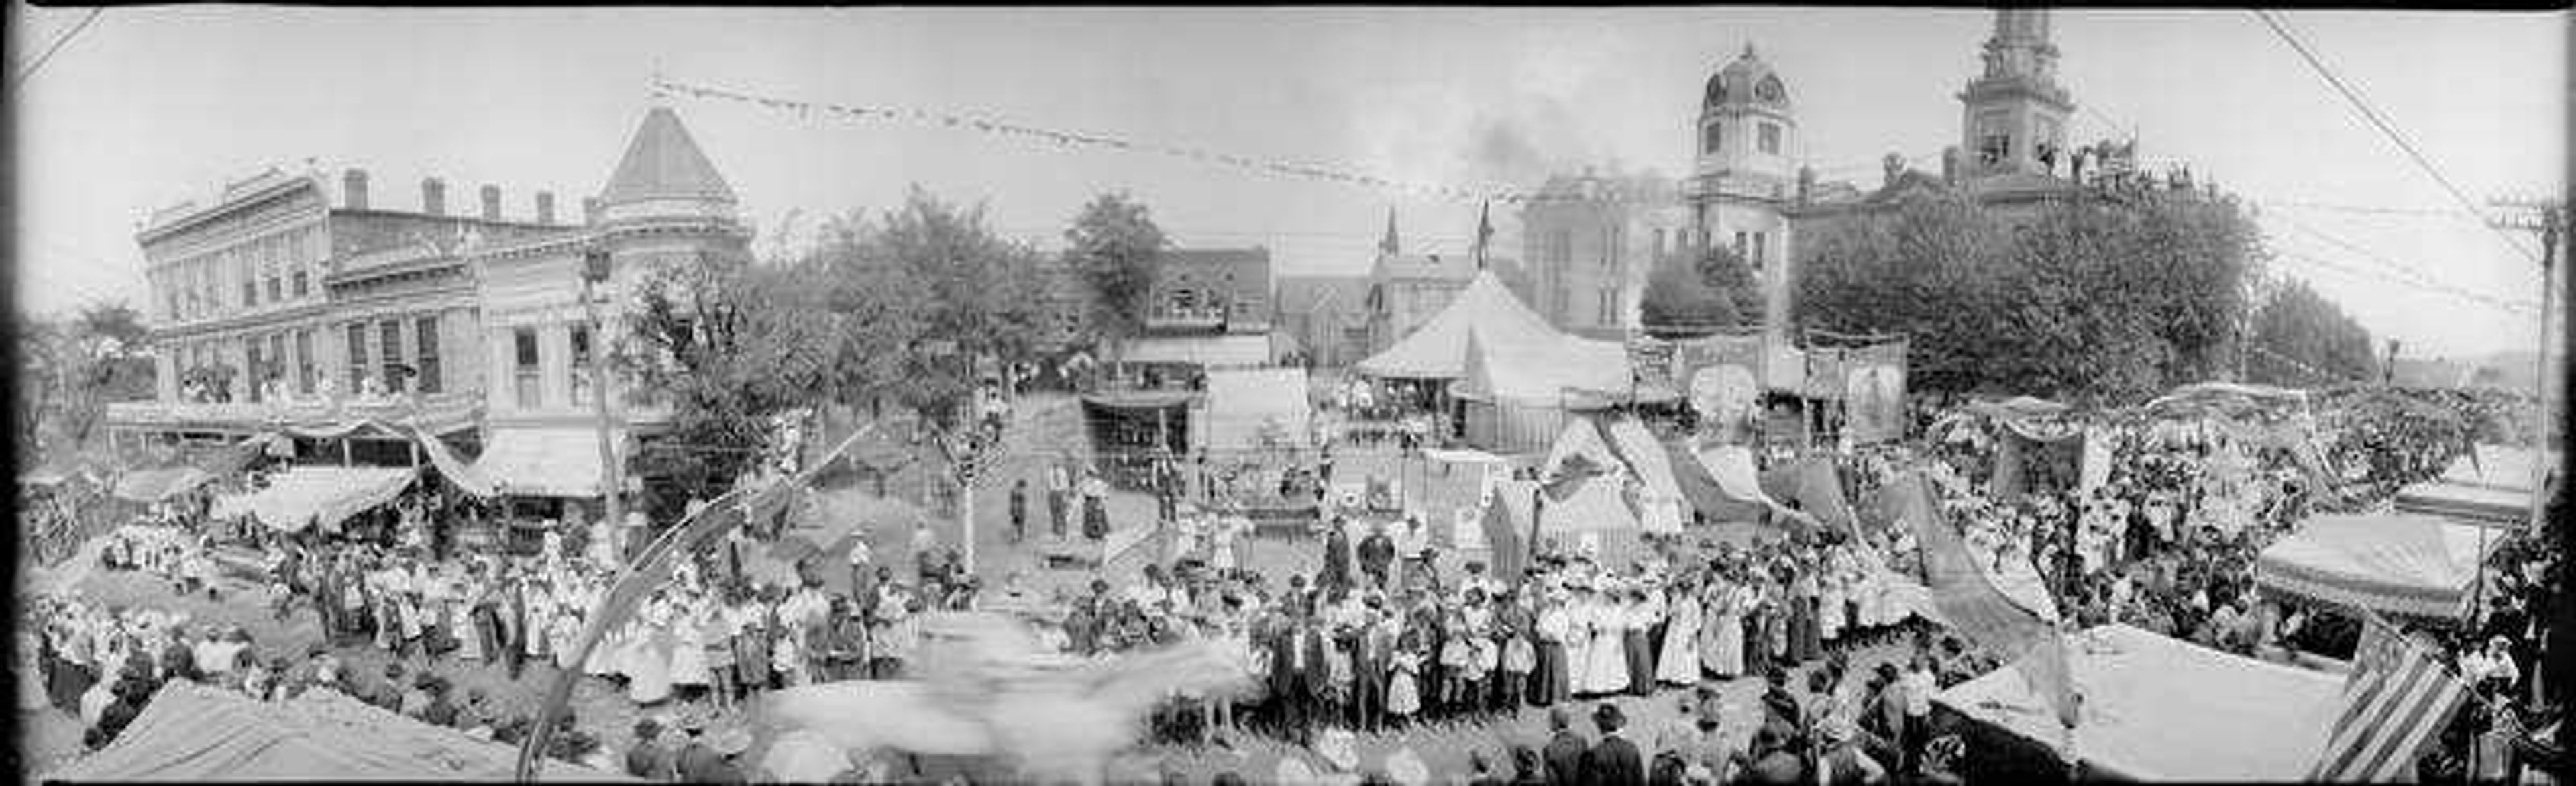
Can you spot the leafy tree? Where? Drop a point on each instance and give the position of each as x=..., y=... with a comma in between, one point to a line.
x=1115, y=246
x=1727, y=275
x=2102, y=297
x=2303, y=339
x=1678, y=301
x=948, y=289
x=76, y=366
x=727, y=345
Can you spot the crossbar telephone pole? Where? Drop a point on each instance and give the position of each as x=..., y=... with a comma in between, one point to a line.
x=2548, y=219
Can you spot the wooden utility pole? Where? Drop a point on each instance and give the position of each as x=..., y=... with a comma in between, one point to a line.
x=2548, y=218
x=595, y=269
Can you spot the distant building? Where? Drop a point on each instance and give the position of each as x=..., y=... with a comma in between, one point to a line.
x=1210, y=291
x=1326, y=316
x=469, y=322
x=1591, y=240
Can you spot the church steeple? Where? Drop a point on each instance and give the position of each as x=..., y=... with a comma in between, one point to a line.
x=1388, y=245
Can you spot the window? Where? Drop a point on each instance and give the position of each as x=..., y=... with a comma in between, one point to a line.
x=1607, y=303
x=300, y=284
x=247, y=275
x=304, y=361
x=425, y=350
x=357, y=356
x=581, y=379
x=1761, y=250
x=276, y=359
x=1994, y=139
x=524, y=341
x=276, y=288
x=391, y=349
x=1710, y=136
x=1771, y=138
x=251, y=367
x=1743, y=245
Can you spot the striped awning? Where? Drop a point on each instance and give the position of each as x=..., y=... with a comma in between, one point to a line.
x=2409, y=565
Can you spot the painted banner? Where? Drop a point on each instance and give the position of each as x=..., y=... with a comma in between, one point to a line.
x=1722, y=382
x=1874, y=393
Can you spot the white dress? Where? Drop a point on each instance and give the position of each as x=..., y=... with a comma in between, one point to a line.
x=1679, y=662
x=689, y=651
x=648, y=667
x=1606, y=663
x=1829, y=607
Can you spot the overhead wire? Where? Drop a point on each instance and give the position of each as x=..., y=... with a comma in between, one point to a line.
x=39, y=63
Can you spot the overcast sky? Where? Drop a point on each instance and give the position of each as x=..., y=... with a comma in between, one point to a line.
x=154, y=105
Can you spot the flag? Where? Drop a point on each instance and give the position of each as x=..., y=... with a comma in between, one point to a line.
x=2395, y=702
x=1972, y=605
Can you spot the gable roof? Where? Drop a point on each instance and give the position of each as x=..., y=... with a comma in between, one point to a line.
x=1303, y=294
x=662, y=162
x=1486, y=311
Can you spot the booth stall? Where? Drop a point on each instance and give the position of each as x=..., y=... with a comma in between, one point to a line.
x=2420, y=567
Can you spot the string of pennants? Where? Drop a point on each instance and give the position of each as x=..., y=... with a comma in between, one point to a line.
x=807, y=109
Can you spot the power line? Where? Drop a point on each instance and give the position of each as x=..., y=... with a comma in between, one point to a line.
x=2402, y=269
x=2372, y=114
x=2420, y=212
x=56, y=46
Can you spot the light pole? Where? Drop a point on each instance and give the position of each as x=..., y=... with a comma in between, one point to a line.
x=2549, y=219
x=595, y=268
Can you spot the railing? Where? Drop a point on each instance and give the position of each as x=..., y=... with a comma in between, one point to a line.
x=429, y=407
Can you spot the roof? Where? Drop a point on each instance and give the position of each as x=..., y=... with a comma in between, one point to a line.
x=2411, y=565
x=1486, y=310
x=1304, y=294
x=191, y=732
x=1254, y=407
x=1748, y=81
x=2158, y=708
x=1422, y=267
x=1227, y=351
x=662, y=162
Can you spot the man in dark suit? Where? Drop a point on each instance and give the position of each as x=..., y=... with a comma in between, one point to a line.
x=1376, y=653
x=1337, y=557
x=1565, y=750
x=1297, y=672
x=1614, y=761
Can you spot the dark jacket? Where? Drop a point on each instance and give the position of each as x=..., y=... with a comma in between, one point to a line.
x=1564, y=757
x=1613, y=761
x=1337, y=559
x=1285, y=678
x=1376, y=552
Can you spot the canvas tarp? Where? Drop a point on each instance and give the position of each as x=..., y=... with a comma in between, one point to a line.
x=2411, y=565
x=1486, y=311
x=2481, y=504
x=458, y=473
x=1252, y=408
x=308, y=496
x=542, y=462
x=191, y=732
x=154, y=485
x=1817, y=488
x=1565, y=371
x=1660, y=505
x=1698, y=475
x=2157, y=708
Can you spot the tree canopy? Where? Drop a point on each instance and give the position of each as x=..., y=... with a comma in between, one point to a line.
x=2301, y=338
x=1115, y=245
x=75, y=366
x=2099, y=298
x=1678, y=301
x=1727, y=275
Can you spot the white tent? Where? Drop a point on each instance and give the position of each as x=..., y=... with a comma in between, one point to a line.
x=324, y=496
x=2157, y=708
x=2419, y=566
x=1486, y=310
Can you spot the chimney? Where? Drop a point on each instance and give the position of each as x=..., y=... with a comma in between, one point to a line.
x=545, y=207
x=491, y=202
x=353, y=189
x=433, y=196
x=590, y=210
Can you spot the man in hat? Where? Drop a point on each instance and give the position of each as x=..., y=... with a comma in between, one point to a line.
x=1019, y=510
x=1377, y=553
x=1565, y=749
x=1376, y=656
x=1297, y=677
x=695, y=757
x=1336, y=572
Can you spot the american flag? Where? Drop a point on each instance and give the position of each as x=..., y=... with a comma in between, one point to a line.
x=2396, y=701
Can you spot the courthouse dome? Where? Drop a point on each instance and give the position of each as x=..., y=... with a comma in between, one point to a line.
x=1746, y=81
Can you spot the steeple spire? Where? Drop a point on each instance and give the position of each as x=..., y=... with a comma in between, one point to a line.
x=1388, y=245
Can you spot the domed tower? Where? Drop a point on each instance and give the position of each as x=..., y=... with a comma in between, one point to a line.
x=1746, y=170
x=2014, y=114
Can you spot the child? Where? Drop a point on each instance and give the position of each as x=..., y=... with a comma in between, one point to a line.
x=1456, y=656
x=1403, y=688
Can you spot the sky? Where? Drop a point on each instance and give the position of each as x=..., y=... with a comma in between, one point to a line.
x=151, y=106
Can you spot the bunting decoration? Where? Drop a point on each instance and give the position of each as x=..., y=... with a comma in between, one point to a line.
x=1061, y=138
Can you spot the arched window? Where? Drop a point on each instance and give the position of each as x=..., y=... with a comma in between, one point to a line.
x=1710, y=136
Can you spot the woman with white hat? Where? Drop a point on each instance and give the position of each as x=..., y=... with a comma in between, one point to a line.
x=1554, y=631
x=1605, y=662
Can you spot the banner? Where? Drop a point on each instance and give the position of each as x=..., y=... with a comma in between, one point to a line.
x=1826, y=367
x=1720, y=375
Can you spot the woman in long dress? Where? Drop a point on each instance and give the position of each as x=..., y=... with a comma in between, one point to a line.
x=1805, y=643
x=1605, y=657
x=1726, y=623
x=1554, y=628
x=1639, y=615
x=689, y=644
x=1680, y=661
x=460, y=621
x=648, y=666
x=1829, y=606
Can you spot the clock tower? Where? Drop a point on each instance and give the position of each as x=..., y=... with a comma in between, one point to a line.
x=2014, y=116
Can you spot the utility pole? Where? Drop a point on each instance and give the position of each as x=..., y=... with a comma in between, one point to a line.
x=2548, y=218
x=595, y=269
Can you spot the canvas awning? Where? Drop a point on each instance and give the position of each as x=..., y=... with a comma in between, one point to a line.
x=2468, y=503
x=154, y=485
x=2411, y=565
x=542, y=462
x=2157, y=708
x=1660, y=504
x=190, y=732
x=1817, y=488
x=1714, y=478
x=307, y=496
x=1255, y=408
x=1235, y=351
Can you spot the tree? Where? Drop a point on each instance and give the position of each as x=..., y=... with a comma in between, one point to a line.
x=1727, y=275
x=948, y=291
x=1115, y=246
x=1678, y=301
x=2100, y=297
x=2303, y=339
x=76, y=366
x=727, y=345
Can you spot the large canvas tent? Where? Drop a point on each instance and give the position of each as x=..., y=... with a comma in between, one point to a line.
x=1486, y=312
x=2157, y=708
x=2408, y=565
x=190, y=732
